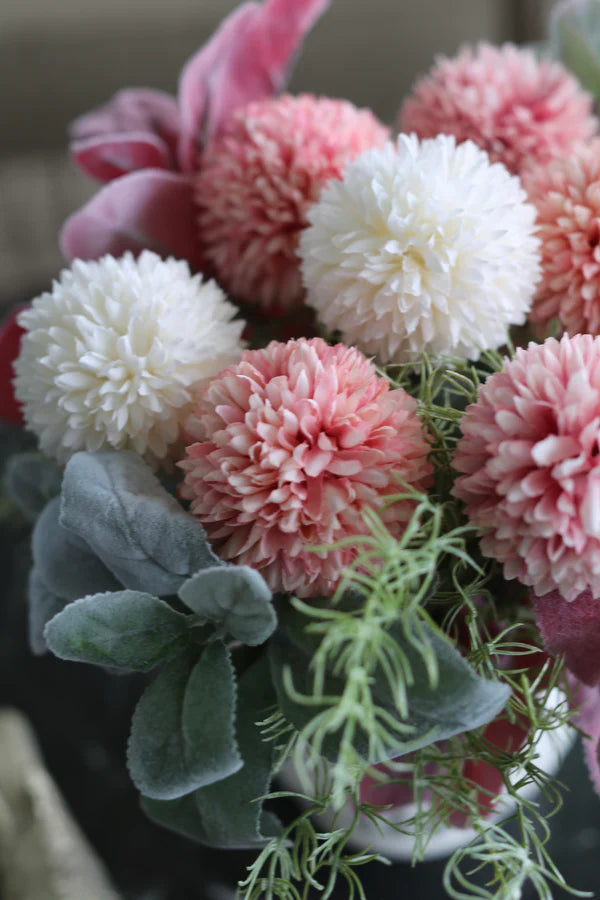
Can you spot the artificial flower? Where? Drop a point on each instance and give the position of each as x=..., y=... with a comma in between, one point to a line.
x=292, y=446
x=515, y=107
x=422, y=246
x=10, y=343
x=148, y=145
x=567, y=197
x=114, y=355
x=258, y=180
x=529, y=459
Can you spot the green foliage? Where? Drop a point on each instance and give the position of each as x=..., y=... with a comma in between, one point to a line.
x=113, y=501
x=183, y=729
x=125, y=630
x=575, y=40
x=229, y=813
x=236, y=598
x=31, y=480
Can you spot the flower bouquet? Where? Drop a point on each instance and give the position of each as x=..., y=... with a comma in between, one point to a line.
x=350, y=525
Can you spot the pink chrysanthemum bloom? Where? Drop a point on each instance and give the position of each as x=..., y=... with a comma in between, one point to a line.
x=515, y=107
x=294, y=444
x=567, y=197
x=530, y=460
x=258, y=180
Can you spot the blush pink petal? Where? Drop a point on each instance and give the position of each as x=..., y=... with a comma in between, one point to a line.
x=270, y=483
x=529, y=464
x=586, y=700
x=247, y=59
x=140, y=115
x=150, y=209
x=515, y=107
x=108, y=157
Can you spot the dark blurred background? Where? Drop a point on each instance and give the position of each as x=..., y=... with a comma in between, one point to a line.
x=58, y=59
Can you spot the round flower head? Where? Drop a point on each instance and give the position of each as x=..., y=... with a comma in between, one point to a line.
x=515, y=107
x=567, y=197
x=258, y=180
x=423, y=246
x=294, y=444
x=114, y=355
x=530, y=458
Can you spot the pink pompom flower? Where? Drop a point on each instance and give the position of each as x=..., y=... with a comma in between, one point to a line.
x=515, y=107
x=567, y=197
x=530, y=462
x=292, y=446
x=147, y=144
x=258, y=181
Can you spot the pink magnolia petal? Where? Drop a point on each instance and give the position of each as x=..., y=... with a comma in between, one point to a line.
x=132, y=112
x=247, y=59
x=587, y=701
x=573, y=629
x=108, y=157
x=150, y=209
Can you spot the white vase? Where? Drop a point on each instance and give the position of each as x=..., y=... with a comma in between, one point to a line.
x=552, y=748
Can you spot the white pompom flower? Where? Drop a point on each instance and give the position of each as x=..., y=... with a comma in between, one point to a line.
x=422, y=246
x=115, y=354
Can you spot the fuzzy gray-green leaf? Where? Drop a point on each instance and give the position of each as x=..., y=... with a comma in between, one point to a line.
x=236, y=598
x=140, y=532
x=124, y=630
x=31, y=480
x=229, y=814
x=183, y=729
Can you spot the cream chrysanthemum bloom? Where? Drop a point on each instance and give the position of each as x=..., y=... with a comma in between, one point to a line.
x=423, y=246
x=115, y=354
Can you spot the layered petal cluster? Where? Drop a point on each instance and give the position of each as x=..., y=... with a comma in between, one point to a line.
x=530, y=462
x=114, y=355
x=293, y=445
x=567, y=197
x=422, y=246
x=515, y=107
x=147, y=144
x=258, y=181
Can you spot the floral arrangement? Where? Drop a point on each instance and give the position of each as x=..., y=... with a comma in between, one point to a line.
x=317, y=411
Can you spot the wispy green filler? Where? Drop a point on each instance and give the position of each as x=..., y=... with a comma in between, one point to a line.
x=433, y=578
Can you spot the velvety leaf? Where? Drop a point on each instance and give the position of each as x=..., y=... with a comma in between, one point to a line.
x=64, y=562
x=124, y=630
x=573, y=629
x=460, y=702
x=150, y=115
x=226, y=814
x=111, y=156
x=236, y=598
x=149, y=209
x=131, y=522
x=248, y=58
x=183, y=729
x=43, y=605
x=32, y=480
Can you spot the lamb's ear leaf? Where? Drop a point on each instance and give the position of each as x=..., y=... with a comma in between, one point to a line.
x=236, y=599
x=183, y=729
x=64, y=569
x=31, y=480
x=113, y=500
x=125, y=630
x=228, y=813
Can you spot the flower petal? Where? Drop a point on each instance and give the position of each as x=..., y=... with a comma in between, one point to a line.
x=134, y=114
x=247, y=59
x=587, y=701
x=573, y=629
x=151, y=209
x=10, y=343
x=106, y=158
